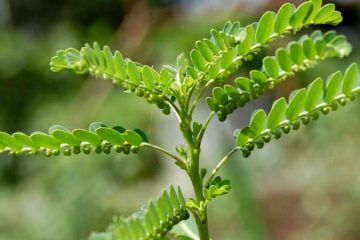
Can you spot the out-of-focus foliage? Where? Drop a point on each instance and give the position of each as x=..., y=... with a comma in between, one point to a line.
x=313, y=195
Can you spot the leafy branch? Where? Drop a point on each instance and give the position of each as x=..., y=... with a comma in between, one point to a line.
x=304, y=105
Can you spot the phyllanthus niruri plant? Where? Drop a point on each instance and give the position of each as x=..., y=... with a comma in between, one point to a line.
x=178, y=90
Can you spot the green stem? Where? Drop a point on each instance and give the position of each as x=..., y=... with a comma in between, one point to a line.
x=220, y=164
x=203, y=129
x=166, y=152
x=194, y=174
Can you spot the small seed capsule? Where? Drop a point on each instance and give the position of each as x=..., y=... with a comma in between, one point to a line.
x=147, y=94
x=245, y=152
x=286, y=129
x=48, y=152
x=296, y=125
x=153, y=98
x=266, y=138
x=56, y=152
x=139, y=92
x=166, y=110
x=67, y=152
x=221, y=117
x=334, y=106
x=250, y=146
x=106, y=149
x=325, y=110
x=229, y=108
x=276, y=134
x=126, y=149
x=315, y=115
x=86, y=149
x=132, y=88
x=118, y=148
x=160, y=104
x=98, y=149
x=76, y=149
x=134, y=149
x=259, y=143
x=305, y=120
x=342, y=101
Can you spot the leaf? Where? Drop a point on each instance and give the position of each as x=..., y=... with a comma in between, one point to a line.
x=205, y=50
x=64, y=135
x=243, y=83
x=351, y=79
x=155, y=219
x=257, y=122
x=316, y=6
x=133, y=73
x=271, y=67
x=219, y=39
x=245, y=45
x=133, y=138
x=44, y=140
x=241, y=138
x=309, y=49
x=110, y=135
x=148, y=78
x=325, y=12
x=109, y=63
x=119, y=66
x=265, y=27
x=142, y=134
x=296, y=104
x=198, y=60
x=277, y=113
x=284, y=60
x=314, y=95
x=211, y=102
x=333, y=86
x=298, y=18
x=25, y=140
x=9, y=141
x=258, y=77
x=282, y=19
x=220, y=95
x=227, y=59
x=95, y=125
x=296, y=53
x=216, y=188
x=87, y=136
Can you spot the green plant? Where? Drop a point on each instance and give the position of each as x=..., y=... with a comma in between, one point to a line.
x=212, y=65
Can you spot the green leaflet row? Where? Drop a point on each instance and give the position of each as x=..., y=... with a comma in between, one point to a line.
x=60, y=140
x=142, y=80
x=297, y=56
x=222, y=54
x=303, y=106
x=153, y=222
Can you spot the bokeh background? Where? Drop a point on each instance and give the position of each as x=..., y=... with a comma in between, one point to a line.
x=305, y=186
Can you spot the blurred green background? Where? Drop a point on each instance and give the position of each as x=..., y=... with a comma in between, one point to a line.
x=306, y=186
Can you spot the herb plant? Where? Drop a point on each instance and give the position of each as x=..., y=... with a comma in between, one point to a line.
x=212, y=65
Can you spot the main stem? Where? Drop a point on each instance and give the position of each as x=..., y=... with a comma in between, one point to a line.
x=194, y=174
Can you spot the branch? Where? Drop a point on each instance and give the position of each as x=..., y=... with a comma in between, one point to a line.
x=217, y=168
x=203, y=129
x=197, y=99
x=166, y=152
